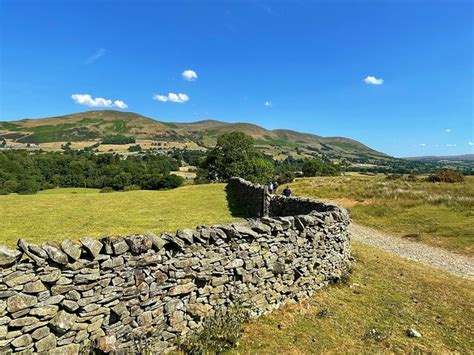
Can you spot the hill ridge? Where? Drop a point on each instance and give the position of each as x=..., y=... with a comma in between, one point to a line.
x=94, y=125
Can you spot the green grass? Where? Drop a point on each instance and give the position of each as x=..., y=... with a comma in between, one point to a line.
x=339, y=318
x=73, y=213
x=439, y=214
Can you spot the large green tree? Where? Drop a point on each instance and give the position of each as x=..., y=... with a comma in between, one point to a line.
x=315, y=167
x=236, y=155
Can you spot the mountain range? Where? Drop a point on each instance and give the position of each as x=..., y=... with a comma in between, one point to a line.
x=95, y=125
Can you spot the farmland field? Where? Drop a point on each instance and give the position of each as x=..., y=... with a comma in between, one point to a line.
x=73, y=213
x=439, y=214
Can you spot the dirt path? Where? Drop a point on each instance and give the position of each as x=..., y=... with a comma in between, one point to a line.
x=456, y=264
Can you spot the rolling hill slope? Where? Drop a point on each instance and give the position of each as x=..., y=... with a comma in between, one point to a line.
x=95, y=125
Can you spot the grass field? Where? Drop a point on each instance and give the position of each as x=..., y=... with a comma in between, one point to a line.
x=73, y=213
x=439, y=214
x=341, y=318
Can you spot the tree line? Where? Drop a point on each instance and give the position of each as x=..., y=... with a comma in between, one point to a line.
x=28, y=172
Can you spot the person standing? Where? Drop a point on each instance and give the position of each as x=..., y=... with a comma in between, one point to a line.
x=287, y=192
x=275, y=186
x=270, y=187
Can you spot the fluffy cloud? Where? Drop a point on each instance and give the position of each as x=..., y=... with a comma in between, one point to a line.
x=450, y=145
x=88, y=100
x=268, y=103
x=372, y=80
x=470, y=143
x=172, y=97
x=448, y=130
x=422, y=145
x=189, y=75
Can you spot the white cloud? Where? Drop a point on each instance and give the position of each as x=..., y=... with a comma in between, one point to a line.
x=448, y=130
x=120, y=104
x=88, y=100
x=268, y=103
x=93, y=58
x=172, y=97
x=422, y=145
x=372, y=80
x=450, y=145
x=470, y=143
x=189, y=75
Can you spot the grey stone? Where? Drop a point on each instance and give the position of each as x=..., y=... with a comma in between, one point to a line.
x=139, y=243
x=72, y=249
x=55, y=254
x=21, y=322
x=51, y=276
x=40, y=333
x=45, y=311
x=19, y=280
x=25, y=247
x=34, y=287
x=20, y=301
x=413, y=333
x=62, y=322
x=92, y=246
x=119, y=246
x=8, y=256
x=3, y=332
x=70, y=305
x=182, y=289
x=50, y=301
x=47, y=343
x=22, y=341
x=198, y=309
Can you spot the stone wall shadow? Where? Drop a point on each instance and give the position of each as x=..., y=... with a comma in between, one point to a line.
x=236, y=210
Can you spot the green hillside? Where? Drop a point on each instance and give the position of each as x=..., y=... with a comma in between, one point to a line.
x=95, y=125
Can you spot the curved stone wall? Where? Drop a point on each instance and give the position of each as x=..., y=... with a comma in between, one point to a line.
x=111, y=291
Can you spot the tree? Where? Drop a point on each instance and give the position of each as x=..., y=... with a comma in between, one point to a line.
x=315, y=167
x=236, y=155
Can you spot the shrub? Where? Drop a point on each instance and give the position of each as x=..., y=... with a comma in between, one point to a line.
x=27, y=187
x=286, y=177
x=446, y=175
x=106, y=189
x=220, y=332
x=135, y=148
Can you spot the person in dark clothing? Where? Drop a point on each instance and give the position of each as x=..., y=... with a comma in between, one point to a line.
x=287, y=191
x=275, y=186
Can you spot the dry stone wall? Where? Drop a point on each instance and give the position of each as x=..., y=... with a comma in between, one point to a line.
x=112, y=291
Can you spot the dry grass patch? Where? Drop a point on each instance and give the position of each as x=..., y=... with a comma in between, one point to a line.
x=439, y=213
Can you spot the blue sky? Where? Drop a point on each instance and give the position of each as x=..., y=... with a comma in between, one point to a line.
x=280, y=64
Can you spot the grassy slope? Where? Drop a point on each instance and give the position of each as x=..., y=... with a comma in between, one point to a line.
x=437, y=214
x=405, y=295
x=68, y=213
x=93, y=125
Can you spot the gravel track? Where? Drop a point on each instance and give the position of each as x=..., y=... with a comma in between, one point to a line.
x=453, y=263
